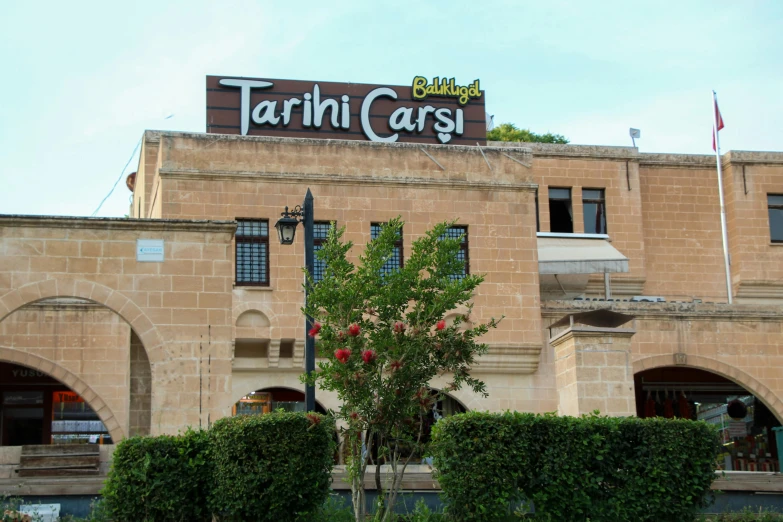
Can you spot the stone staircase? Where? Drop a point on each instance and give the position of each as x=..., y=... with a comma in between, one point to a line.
x=59, y=460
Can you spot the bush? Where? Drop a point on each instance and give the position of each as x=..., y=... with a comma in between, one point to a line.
x=271, y=467
x=160, y=478
x=596, y=468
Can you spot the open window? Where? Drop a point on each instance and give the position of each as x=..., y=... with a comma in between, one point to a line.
x=561, y=213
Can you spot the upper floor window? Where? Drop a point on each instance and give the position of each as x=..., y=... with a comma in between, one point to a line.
x=775, y=205
x=460, y=232
x=252, y=252
x=394, y=262
x=320, y=233
x=561, y=214
x=594, y=208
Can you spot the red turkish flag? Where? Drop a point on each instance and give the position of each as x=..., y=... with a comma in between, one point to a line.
x=719, y=119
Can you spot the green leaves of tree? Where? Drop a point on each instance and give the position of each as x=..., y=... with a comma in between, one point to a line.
x=510, y=132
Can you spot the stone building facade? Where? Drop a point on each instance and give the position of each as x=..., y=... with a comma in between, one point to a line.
x=154, y=347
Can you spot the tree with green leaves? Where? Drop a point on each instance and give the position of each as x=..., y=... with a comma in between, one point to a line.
x=510, y=132
x=383, y=337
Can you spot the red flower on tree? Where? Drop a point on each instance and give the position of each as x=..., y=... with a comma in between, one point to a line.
x=342, y=354
x=314, y=330
x=368, y=356
x=441, y=325
x=399, y=327
x=395, y=365
x=354, y=330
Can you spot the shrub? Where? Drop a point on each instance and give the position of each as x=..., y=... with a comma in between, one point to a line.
x=162, y=478
x=271, y=467
x=596, y=468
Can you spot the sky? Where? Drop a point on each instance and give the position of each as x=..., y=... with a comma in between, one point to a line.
x=83, y=80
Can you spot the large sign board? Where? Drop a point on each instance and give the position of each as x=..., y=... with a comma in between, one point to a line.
x=437, y=110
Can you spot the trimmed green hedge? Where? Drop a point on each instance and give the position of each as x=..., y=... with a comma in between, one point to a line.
x=596, y=468
x=157, y=479
x=274, y=467
x=260, y=467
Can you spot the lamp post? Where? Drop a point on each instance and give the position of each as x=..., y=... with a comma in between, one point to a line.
x=286, y=231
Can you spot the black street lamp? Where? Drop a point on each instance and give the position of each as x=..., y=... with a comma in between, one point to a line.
x=286, y=231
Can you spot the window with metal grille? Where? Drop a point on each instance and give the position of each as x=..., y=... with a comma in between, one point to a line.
x=394, y=263
x=252, y=252
x=320, y=233
x=561, y=215
x=460, y=232
x=594, y=209
x=775, y=206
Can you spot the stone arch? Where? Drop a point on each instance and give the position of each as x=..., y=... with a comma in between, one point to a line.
x=453, y=397
x=253, y=318
x=55, y=371
x=762, y=392
x=257, y=307
x=114, y=300
x=290, y=380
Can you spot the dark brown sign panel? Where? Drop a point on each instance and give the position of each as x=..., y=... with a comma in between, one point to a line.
x=438, y=111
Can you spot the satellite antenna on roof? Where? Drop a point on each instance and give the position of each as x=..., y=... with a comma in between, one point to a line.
x=635, y=133
x=490, y=121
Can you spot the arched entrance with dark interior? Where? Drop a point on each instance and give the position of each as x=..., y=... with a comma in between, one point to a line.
x=267, y=400
x=35, y=408
x=745, y=423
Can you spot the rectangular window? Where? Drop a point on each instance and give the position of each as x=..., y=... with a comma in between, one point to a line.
x=561, y=215
x=394, y=263
x=252, y=252
x=460, y=232
x=320, y=233
x=775, y=204
x=594, y=208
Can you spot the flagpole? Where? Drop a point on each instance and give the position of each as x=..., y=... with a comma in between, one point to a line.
x=724, y=233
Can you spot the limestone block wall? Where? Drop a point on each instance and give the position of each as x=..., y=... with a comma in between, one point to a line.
x=743, y=343
x=179, y=308
x=356, y=184
x=682, y=229
x=88, y=340
x=614, y=169
x=594, y=371
x=140, y=407
x=757, y=263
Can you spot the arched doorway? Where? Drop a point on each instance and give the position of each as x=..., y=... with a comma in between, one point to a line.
x=745, y=423
x=35, y=408
x=91, y=350
x=270, y=399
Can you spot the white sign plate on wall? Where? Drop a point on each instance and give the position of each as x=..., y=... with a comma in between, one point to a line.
x=149, y=250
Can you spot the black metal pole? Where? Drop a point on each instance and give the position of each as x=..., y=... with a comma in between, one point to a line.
x=309, y=263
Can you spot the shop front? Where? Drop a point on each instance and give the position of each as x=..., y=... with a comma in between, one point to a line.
x=746, y=425
x=37, y=409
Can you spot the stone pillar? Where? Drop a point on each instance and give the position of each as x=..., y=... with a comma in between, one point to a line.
x=594, y=371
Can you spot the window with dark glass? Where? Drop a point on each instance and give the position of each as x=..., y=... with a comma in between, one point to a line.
x=394, y=263
x=594, y=208
x=561, y=214
x=252, y=252
x=460, y=232
x=320, y=233
x=775, y=205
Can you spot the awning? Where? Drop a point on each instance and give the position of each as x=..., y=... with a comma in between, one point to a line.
x=560, y=255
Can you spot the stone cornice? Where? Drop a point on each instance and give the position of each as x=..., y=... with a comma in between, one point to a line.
x=101, y=223
x=332, y=179
x=313, y=142
x=556, y=150
x=668, y=310
x=509, y=358
x=589, y=331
